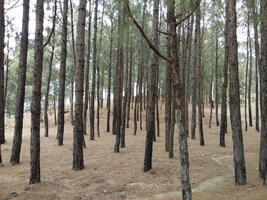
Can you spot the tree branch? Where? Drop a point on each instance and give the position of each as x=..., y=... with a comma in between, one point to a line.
x=53, y=26
x=192, y=10
x=145, y=36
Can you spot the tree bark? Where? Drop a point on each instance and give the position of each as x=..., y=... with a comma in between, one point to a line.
x=110, y=72
x=17, y=138
x=62, y=75
x=46, y=104
x=92, y=104
x=2, y=71
x=35, y=176
x=263, y=72
x=223, y=126
x=78, y=137
x=152, y=90
x=86, y=93
x=118, y=86
x=235, y=114
x=257, y=64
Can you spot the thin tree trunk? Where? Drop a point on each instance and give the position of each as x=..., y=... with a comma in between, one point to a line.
x=17, y=138
x=216, y=78
x=78, y=136
x=99, y=93
x=109, y=73
x=74, y=58
x=246, y=78
x=2, y=71
x=118, y=86
x=126, y=89
x=152, y=90
x=92, y=104
x=62, y=75
x=250, y=75
x=263, y=72
x=86, y=93
x=35, y=176
x=46, y=105
x=194, y=85
x=257, y=63
x=235, y=114
x=223, y=126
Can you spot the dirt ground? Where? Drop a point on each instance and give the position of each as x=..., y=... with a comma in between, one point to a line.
x=118, y=176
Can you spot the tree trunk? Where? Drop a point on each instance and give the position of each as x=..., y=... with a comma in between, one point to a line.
x=46, y=105
x=99, y=93
x=257, y=63
x=118, y=86
x=194, y=84
x=17, y=139
x=74, y=58
x=216, y=78
x=35, y=176
x=92, y=104
x=62, y=75
x=152, y=90
x=246, y=78
x=235, y=115
x=250, y=76
x=78, y=137
x=86, y=92
x=223, y=126
x=263, y=147
x=2, y=71
x=110, y=72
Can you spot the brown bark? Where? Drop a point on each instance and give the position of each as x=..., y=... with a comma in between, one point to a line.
x=46, y=104
x=17, y=138
x=62, y=75
x=78, y=136
x=86, y=92
x=35, y=176
x=223, y=126
x=257, y=63
x=216, y=77
x=152, y=90
x=2, y=71
x=93, y=87
x=263, y=72
x=118, y=85
x=235, y=114
x=110, y=72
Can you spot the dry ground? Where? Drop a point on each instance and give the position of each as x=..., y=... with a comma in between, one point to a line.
x=119, y=176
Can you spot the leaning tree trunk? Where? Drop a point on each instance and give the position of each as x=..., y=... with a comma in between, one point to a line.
x=263, y=148
x=78, y=138
x=62, y=75
x=235, y=114
x=152, y=90
x=2, y=70
x=17, y=139
x=35, y=176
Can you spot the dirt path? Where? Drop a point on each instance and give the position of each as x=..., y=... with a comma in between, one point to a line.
x=119, y=176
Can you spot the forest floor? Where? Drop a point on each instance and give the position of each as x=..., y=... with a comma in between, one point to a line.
x=117, y=176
